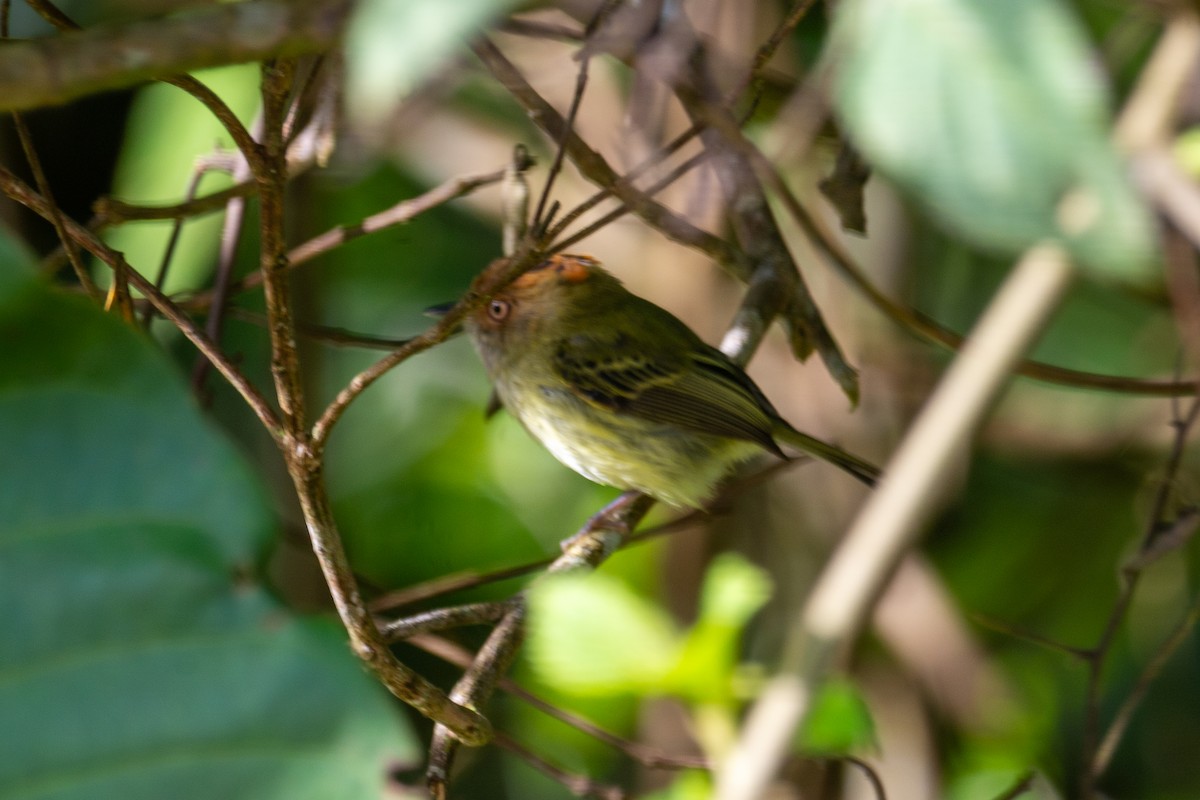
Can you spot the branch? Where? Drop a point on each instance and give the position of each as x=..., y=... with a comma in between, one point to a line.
x=304, y=461
x=398, y=214
x=600, y=538
x=1108, y=747
x=593, y=166
x=894, y=514
x=70, y=247
x=111, y=211
x=53, y=71
x=645, y=755
x=776, y=288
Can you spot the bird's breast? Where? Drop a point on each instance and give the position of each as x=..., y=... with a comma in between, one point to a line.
x=675, y=465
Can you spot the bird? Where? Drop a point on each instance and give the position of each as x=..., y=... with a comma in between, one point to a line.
x=622, y=391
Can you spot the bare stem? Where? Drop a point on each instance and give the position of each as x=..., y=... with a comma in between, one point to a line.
x=304, y=461
x=893, y=515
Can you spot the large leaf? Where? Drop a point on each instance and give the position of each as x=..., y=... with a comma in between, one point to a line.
x=137, y=657
x=993, y=115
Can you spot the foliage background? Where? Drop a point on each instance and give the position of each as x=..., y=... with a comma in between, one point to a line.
x=1031, y=537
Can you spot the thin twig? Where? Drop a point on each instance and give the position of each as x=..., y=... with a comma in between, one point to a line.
x=56, y=215
x=764, y=53
x=601, y=537
x=473, y=688
x=626, y=179
x=596, y=169
x=1083, y=654
x=449, y=584
x=1130, y=574
x=649, y=757
x=305, y=463
x=231, y=234
x=400, y=213
x=515, y=200
x=111, y=211
x=928, y=329
x=871, y=775
x=578, y=785
x=536, y=29
x=623, y=209
x=492, y=279
x=199, y=170
x=560, y=150
x=327, y=334
x=1116, y=729
x=441, y=619
x=39, y=177
x=776, y=286
x=469, y=579
x=270, y=172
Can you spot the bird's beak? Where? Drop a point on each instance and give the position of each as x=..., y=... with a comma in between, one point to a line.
x=439, y=311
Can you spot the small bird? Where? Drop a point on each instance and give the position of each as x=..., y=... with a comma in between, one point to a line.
x=623, y=392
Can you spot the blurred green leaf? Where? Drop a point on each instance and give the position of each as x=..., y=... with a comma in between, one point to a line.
x=994, y=116
x=990, y=784
x=840, y=722
x=16, y=269
x=137, y=659
x=1187, y=151
x=591, y=635
x=689, y=785
x=734, y=589
x=393, y=45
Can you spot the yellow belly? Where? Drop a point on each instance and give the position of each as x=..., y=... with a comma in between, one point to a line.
x=680, y=467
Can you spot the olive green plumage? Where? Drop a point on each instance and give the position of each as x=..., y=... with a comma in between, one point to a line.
x=624, y=393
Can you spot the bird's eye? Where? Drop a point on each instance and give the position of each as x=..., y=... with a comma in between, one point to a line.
x=498, y=309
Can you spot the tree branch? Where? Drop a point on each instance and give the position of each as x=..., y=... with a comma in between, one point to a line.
x=56, y=70
x=893, y=515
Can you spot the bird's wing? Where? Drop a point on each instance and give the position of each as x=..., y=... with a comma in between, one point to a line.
x=700, y=390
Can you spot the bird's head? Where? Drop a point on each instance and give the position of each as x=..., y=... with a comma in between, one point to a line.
x=540, y=305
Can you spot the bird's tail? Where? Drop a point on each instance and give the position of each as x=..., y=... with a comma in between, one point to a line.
x=864, y=471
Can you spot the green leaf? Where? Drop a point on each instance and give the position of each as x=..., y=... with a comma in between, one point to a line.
x=394, y=45
x=689, y=785
x=137, y=660
x=840, y=722
x=1187, y=151
x=994, y=117
x=990, y=784
x=734, y=590
x=591, y=635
